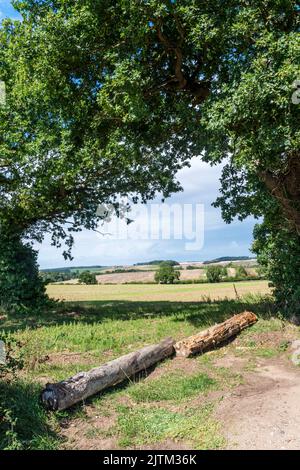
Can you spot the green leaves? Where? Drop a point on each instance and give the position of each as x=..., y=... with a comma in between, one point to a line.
x=215, y=273
x=20, y=284
x=86, y=277
x=278, y=253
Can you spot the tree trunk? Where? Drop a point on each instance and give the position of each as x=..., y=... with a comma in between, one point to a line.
x=285, y=187
x=64, y=394
x=215, y=335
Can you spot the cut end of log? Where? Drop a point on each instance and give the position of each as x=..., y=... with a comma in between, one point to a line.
x=49, y=398
x=214, y=336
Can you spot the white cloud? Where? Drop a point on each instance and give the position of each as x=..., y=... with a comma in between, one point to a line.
x=200, y=178
x=201, y=185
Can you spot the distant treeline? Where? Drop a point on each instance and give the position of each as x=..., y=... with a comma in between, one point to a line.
x=122, y=271
x=157, y=262
x=71, y=269
x=228, y=258
x=197, y=281
x=58, y=276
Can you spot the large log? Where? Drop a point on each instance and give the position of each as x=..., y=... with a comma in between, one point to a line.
x=62, y=395
x=216, y=335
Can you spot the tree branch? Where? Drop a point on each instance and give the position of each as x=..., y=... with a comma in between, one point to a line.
x=176, y=49
x=180, y=81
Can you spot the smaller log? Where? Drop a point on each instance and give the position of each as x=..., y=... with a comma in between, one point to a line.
x=216, y=335
x=64, y=394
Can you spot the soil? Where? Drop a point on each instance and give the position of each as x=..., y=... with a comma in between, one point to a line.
x=85, y=434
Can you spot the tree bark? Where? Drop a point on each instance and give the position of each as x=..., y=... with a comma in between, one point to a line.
x=215, y=335
x=64, y=394
x=285, y=187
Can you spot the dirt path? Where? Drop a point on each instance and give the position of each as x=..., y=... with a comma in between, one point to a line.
x=264, y=412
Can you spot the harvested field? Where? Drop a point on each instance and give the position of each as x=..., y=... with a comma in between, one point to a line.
x=157, y=292
x=146, y=276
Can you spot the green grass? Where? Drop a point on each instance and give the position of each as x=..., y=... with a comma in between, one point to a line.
x=172, y=386
x=81, y=335
x=24, y=424
x=266, y=352
x=152, y=425
x=106, y=330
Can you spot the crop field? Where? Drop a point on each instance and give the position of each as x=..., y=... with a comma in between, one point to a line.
x=157, y=292
x=145, y=276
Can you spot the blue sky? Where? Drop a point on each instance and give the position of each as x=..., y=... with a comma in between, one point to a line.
x=6, y=9
x=200, y=184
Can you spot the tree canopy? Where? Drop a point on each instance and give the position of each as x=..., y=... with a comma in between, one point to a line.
x=86, y=277
x=108, y=98
x=215, y=273
x=166, y=274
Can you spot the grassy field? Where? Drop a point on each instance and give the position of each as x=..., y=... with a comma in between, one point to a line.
x=156, y=292
x=171, y=408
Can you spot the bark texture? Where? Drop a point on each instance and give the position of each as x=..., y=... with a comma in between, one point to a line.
x=208, y=339
x=285, y=187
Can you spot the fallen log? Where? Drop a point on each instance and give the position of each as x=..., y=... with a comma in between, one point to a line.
x=216, y=335
x=62, y=395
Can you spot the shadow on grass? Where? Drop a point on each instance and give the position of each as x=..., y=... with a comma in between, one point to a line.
x=197, y=313
x=24, y=424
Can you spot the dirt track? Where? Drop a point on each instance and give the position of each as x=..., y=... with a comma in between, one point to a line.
x=264, y=413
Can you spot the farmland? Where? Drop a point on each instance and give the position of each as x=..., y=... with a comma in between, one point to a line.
x=156, y=292
x=144, y=273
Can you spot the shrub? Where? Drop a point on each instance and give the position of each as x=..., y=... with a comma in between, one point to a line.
x=20, y=284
